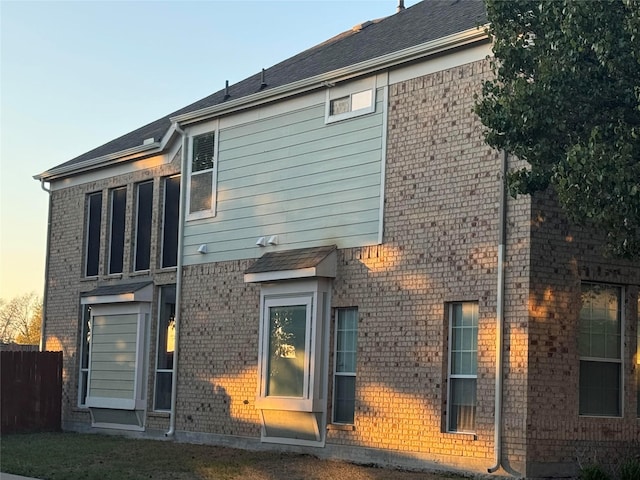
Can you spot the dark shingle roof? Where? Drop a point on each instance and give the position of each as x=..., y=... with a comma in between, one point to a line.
x=421, y=23
x=117, y=289
x=291, y=259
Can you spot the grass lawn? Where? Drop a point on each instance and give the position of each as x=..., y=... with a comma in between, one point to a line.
x=71, y=456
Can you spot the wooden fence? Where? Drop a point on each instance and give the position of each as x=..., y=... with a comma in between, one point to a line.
x=30, y=391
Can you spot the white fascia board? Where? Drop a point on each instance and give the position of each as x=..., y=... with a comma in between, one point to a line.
x=279, y=275
x=110, y=159
x=386, y=61
x=144, y=294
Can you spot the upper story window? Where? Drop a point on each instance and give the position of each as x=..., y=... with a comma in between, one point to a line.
x=202, y=172
x=116, y=237
x=94, y=220
x=144, y=210
x=350, y=100
x=170, y=221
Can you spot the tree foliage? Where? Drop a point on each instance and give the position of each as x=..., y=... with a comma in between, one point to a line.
x=566, y=98
x=21, y=319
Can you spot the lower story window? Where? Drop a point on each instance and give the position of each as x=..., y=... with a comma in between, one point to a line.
x=463, y=366
x=344, y=379
x=85, y=340
x=600, y=347
x=165, y=348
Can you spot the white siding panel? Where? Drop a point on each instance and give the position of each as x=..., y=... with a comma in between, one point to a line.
x=113, y=356
x=294, y=176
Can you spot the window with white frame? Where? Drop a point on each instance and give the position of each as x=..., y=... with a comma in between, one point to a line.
x=165, y=348
x=600, y=348
x=350, y=100
x=117, y=225
x=344, y=375
x=288, y=322
x=202, y=175
x=170, y=219
x=94, y=217
x=293, y=340
x=638, y=361
x=463, y=366
x=144, y=211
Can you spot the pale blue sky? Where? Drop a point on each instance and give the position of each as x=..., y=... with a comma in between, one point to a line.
x=76, y=74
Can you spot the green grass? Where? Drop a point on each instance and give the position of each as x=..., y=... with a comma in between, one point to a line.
x=70, y=456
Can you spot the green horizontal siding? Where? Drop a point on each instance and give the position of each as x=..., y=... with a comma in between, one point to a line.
x=294, y=176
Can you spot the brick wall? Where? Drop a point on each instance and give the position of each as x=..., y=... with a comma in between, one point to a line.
x=65, y=275
x=563, y=255
x=440, y=246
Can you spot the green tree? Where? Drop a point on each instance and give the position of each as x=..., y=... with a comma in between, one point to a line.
x=566, y=98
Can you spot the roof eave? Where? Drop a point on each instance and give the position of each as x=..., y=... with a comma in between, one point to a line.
x=426, y=49
x=139, y=151
x=433, y=47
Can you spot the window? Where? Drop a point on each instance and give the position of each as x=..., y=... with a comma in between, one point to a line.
x=144, y=210
x=600, y=348
x=350, y=100
x=638, y=361
x=288, y=349
x=170, y=221
x=351, y=103
x=116, y=239
x=463, y=366
x=344, y=376
x=165, y=347
x=201, y=185
x=94, y=216
x=85, y=340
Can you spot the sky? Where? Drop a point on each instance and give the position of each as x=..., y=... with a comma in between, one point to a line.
x=77, y=74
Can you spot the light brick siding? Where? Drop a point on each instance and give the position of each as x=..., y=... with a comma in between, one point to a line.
x=440, y=245
x=65, y=275
x=563, y=255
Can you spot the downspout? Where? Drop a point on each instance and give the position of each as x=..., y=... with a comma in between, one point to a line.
x=43, y=323
x=497, y=427
x=178, y=314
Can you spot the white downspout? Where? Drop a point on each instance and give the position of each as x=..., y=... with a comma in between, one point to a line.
x=43, y=323
x=178, y=315
x=497, y=427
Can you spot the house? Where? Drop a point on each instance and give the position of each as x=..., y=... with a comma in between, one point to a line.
x=321, y=258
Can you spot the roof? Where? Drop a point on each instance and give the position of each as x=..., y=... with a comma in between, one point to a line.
x=424, y=22
x=117, y=289
x=310, y=262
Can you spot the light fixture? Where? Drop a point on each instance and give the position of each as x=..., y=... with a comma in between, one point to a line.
x=262, y=242
x=203, y=248
x=273, y=240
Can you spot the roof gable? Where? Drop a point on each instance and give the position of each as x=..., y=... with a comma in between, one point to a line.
x=424, y=22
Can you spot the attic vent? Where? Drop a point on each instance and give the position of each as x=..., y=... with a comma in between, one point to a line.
x=361, y=26
x=148, y=141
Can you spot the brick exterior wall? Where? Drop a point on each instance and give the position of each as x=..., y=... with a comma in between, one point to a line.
x=565, y=255
x=66, y=281
x=441, y=233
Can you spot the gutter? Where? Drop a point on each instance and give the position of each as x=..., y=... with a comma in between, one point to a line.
x=497, y=427
x=179, y=264
x=390, y=60
x=43, y=323
x=368, y=66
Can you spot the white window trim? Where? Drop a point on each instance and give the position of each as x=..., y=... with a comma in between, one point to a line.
x=619, y=361
x=84, y=311
x=457, y=375
x=348, y=90
x=314, y=394
x=195, y=132
x=335, y=366
x=142, y=310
